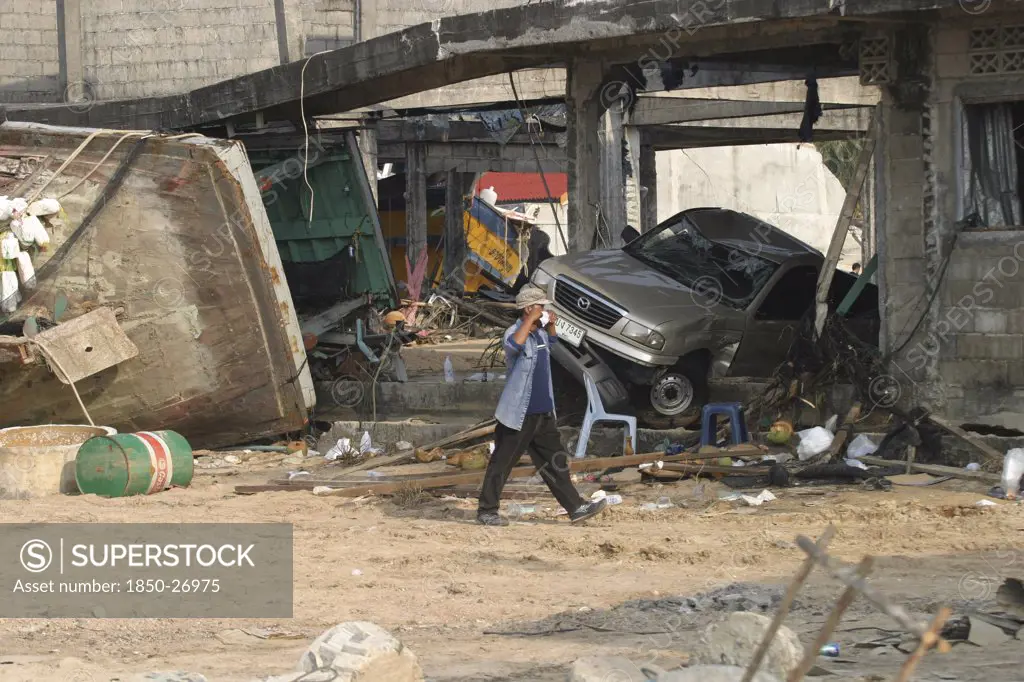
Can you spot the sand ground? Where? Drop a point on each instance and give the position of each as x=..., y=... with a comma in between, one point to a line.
x=439, y=581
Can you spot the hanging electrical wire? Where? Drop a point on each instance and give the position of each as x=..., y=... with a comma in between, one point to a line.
x=536, y=157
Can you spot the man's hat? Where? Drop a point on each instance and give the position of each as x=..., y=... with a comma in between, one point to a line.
x=531, y=295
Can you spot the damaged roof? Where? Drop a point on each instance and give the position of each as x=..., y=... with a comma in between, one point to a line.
x=517, y=187
x=460, y=48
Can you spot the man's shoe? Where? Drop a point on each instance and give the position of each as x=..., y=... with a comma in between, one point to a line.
x=588, y=510
x=492, y=519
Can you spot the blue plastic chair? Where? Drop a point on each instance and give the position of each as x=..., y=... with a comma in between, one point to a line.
x=596, y=413
x=737, y=423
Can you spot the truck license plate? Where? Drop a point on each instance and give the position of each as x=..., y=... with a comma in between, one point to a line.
x=569, y=332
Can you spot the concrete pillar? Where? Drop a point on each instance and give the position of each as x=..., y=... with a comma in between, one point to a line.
x=454, y=230
x=415, y=201
x=583, y=150
x=612, y=216
x=368, y=152
x=648, y=173
x=634, y=193
x=367, y=11
x=69, y=50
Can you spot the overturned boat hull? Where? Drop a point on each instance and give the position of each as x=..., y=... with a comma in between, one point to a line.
x=171, y=234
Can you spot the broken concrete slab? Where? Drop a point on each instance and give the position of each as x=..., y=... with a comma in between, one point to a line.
x=985, y=634
x=359, y=650
x=734, y=640
x=606, y=669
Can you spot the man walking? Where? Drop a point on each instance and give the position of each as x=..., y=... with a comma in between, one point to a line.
x=526, y=415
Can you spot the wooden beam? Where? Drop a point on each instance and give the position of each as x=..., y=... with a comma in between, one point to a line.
x=787, y=602
x=935, y=469
x=447, y=480
x=980, y=445
x=835, y=249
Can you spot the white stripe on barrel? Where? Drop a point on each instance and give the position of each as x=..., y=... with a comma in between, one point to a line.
x=160, y=460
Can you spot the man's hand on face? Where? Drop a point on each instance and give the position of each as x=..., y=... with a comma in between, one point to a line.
x=533, y=314
x=552, y=318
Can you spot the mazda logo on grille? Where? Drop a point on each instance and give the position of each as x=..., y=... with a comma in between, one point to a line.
x=583, y=303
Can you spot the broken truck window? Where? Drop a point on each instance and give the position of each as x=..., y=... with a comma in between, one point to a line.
x=680, y=251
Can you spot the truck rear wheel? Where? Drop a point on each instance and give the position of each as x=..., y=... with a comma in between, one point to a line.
x=676, y=398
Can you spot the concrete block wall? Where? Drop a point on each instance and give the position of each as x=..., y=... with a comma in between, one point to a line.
x=139, y=48
x=29, y=66
x=327, y=25
x=968, y=359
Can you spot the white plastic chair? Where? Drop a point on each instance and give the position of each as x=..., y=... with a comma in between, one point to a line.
x=596, y=413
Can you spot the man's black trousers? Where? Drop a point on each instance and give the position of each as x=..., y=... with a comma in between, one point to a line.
x=539, y=436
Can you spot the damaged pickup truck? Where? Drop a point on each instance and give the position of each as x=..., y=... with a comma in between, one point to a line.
x=708, y=292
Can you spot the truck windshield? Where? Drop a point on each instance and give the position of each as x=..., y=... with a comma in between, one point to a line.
x=680, y=251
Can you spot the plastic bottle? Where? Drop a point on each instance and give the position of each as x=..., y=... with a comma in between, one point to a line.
x=449, y=371
x=831, y=650
x=1013, y=469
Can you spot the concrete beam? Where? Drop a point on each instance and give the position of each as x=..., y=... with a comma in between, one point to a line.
x=406, y=130
x=844, y=90
x=666, y=110
x=664, y=138
x=468, y=157
x=532, y=84
x=456, y=49
x=852, y=119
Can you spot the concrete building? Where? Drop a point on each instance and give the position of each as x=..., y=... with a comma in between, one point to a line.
x=87, y=50
x=949, y=73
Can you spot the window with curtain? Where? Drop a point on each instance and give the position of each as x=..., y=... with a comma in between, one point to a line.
x=992, y=163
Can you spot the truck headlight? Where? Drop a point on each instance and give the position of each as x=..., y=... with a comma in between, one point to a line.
x=641, y=334
x=541, y=279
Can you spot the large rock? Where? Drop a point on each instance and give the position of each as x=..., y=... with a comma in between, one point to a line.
x=605, y=669
x=356, y=652
x=734, y=640
x=706, y=673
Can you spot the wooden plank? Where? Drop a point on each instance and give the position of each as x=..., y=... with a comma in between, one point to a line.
x=715, y=469
x=479, y=430
x=843, y=603
x=575, y=466
x=844, y=432
x=787, y=602
x=835, y=248
x=935, y=469
x=979, y=444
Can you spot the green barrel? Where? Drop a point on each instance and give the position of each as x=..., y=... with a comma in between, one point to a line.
x=140, y=463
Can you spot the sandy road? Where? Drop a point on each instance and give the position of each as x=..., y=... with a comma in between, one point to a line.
x=439, y=581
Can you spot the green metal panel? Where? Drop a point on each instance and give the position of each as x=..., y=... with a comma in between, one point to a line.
x=342, y=216
x=858, y=286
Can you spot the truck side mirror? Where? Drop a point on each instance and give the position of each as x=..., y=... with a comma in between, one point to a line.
x=629, y=233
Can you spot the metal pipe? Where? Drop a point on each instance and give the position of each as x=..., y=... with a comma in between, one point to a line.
x=370, y=355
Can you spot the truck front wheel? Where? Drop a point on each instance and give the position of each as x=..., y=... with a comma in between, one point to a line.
x=676, y=398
